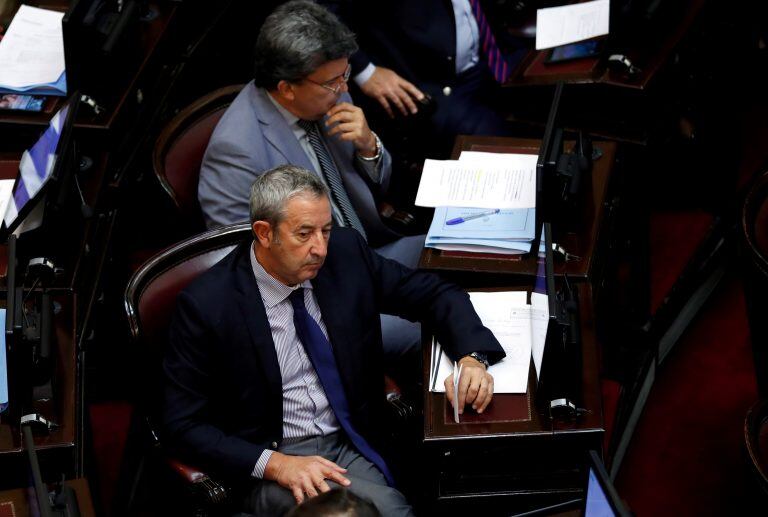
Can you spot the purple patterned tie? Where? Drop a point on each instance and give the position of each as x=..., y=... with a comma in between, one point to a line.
x=500, y=65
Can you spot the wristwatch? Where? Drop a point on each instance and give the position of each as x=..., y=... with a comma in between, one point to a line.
x=480, y=357
x=377, y=147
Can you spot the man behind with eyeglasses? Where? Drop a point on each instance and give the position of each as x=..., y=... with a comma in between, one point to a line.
x=297, y=111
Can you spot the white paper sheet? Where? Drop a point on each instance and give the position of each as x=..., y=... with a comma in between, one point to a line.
x=539, y=322
x=32, y=51
x=557, y=26
x=6, y=191
x=508, y=316
x=456, y=183
x=456, y=381
x=483, y=158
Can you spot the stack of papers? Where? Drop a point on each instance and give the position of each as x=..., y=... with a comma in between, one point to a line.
x=32, y=54
x=480, y=230
x=520, y=328
x=499, y=188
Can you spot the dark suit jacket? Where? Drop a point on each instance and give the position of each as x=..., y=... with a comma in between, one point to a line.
x=417, y=39
x=223, y=393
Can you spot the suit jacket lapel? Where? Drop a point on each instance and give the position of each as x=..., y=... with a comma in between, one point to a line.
x=248, y=300
x=277, y=132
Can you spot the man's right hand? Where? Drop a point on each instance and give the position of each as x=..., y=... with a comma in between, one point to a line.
x=389, y=88
x=303, y=474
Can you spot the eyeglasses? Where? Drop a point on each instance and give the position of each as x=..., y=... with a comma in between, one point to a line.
x=334, y=85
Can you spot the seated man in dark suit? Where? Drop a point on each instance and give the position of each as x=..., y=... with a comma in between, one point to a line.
x=443, y=48
x=274, y=371
x=297, y=111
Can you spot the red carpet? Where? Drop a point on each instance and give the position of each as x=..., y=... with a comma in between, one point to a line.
x=686, y=457
x=110, y=422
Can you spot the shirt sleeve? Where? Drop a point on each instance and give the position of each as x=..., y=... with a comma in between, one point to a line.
x=261, y=465
x=362, y=78
x=371, y=168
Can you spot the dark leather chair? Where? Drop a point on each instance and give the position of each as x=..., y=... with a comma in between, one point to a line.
x=150, y=298
x=178, y=153
x=754, y=258
x=756, y=441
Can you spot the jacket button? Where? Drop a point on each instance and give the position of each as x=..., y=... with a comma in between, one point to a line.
x=274, y=445
x=447, y=91
x=450, y=58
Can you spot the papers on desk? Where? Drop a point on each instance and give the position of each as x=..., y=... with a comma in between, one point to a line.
x=6, y=191
x=32, y=53
x=557, y=26
x=496, y=230
x=507, y=231
x=480, y=182
x=456, y=381
x=519, y=327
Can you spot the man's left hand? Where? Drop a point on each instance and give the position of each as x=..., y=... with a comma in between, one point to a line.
x=348, y=123
x=475, y=385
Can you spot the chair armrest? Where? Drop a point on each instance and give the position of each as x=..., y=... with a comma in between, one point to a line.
x=401, y=409
x=191, y=475
x=207, y=490
x=398, y=219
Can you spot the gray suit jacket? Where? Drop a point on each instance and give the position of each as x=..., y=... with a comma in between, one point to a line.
x=253, y=137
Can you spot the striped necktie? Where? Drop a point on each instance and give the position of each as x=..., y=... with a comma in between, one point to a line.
x=332, y=177
x=500, y=64
x=321, y=354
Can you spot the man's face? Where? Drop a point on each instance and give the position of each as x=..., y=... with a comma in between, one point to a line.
x=312, y=96
x=296, y=249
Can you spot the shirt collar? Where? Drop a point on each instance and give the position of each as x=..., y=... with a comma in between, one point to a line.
x=272, y=290
x=289, y=117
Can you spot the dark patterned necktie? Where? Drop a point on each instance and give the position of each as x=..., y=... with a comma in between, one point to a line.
x=332, y=177
x=321, y=355
x=500, y=64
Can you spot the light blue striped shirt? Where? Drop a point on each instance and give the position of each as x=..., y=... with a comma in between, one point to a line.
x=467, y=36
x=467, y=42
x=306, y=411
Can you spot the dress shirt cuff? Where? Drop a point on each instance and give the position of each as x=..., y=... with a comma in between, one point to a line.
x=261, y=465
x=371, y=167
x=362, y=78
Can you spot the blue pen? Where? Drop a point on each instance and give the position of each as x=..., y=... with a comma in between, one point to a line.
x=460, y=220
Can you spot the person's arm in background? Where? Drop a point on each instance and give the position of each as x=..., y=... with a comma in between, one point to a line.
x=384, y=85
x=389, y=89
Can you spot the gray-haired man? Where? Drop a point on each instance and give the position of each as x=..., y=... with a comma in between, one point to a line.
x=274, y=367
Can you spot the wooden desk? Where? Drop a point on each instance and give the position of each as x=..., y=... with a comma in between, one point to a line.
x=117, y=93
x=583, y=243
x=57, y=451
x=649, y=56
x=513, y=457
x=14, y=503
x=610, y=103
